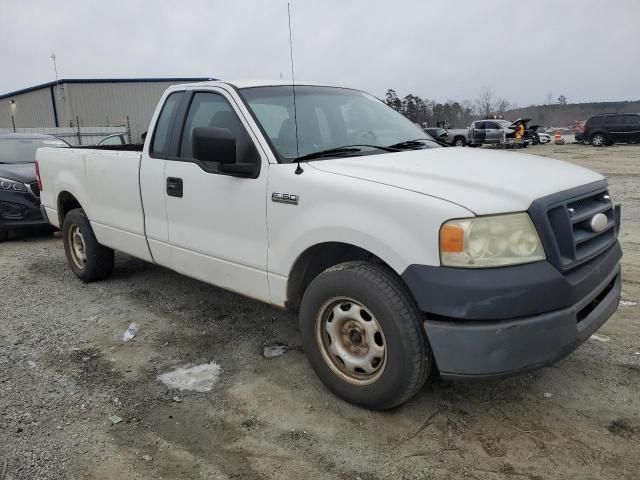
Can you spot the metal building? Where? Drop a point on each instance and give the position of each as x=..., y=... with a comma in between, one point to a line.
x=71, y=106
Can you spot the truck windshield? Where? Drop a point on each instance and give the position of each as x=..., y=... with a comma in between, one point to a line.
x=23, y=150
x=328, y=118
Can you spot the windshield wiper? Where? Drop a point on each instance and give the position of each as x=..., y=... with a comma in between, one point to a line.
x=343, y=150
x=418, y=142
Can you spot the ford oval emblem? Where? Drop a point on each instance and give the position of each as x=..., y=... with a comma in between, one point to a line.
x=599, y=222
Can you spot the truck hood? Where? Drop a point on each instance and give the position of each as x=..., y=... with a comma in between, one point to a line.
x=20, y=172
x=481, y=180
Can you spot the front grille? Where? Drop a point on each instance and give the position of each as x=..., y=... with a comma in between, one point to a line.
x=35, y=190
x=564, y=223
x=587, y=242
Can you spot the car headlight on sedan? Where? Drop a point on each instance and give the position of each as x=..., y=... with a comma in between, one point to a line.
x=490, y=241
x=12, y=185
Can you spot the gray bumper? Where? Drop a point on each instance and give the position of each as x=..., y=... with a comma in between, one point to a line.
x=470, y=349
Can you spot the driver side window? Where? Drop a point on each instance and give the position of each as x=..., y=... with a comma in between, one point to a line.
x=209, y=109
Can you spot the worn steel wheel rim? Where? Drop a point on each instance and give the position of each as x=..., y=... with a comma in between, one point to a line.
x=351, y=341
x=77, y=247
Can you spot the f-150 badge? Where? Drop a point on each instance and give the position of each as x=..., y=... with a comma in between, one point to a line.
x=291, y=198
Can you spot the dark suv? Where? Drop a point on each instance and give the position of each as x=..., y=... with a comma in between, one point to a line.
x=19, y=192
x=611, y=128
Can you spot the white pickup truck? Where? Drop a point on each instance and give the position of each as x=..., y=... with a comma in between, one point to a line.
x=402, y=257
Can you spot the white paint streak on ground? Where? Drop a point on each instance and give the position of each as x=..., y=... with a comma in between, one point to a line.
x=627, y=303
x=200, y=378
x=600, y=338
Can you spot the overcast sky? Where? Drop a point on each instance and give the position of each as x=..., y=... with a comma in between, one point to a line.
x=587, y=50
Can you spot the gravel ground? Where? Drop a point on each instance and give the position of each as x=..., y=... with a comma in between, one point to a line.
x=64, y=371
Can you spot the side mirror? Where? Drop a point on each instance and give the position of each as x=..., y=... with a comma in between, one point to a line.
x=219, y=145
x=214, y=145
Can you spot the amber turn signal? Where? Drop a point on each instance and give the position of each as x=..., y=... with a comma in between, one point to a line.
x=451, y=239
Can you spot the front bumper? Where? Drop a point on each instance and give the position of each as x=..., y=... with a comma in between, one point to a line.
x=19, y=210
x=502, y=321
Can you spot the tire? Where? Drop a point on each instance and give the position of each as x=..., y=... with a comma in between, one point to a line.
x=372, y=306
x=4, y=235
x=598, y=140
x=89, y=260
x=459, y=142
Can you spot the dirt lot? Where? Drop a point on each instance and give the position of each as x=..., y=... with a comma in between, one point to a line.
x=64, y=370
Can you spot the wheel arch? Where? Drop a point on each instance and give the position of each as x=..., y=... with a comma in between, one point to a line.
x=66, y=202
x=598, y=132
x=316, y=259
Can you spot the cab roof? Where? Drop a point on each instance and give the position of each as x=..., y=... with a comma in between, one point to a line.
x=240, y=84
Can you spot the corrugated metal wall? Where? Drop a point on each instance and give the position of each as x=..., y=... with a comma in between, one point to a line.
x=92, y=104
x=109, y=104
x=33, y=109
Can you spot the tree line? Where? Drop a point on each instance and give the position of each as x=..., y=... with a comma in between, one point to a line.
x=453, y=113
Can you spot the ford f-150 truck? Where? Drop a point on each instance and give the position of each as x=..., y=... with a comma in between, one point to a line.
x=401, y=257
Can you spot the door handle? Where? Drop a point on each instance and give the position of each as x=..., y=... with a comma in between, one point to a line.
x=174, y=187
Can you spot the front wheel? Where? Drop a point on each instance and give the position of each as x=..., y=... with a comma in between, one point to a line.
x=459, y=142
x=89, y=260
x=363, y=335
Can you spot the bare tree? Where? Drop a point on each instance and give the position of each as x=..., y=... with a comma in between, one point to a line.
x=486, y=101
x=562, y=100
x=502, y=105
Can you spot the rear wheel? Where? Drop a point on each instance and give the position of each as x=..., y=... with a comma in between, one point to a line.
x=363, y=335
x=4, y=235
x=459, y=142
x=598, y=140
x=89, y=260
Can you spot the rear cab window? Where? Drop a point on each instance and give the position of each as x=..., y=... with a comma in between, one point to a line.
x=162, y=131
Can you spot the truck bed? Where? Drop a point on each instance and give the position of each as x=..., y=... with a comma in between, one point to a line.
x=105, y=181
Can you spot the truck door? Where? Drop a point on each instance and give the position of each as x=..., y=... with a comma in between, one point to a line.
x=217, y=222
x=478, y=133
x=152, y=178
x=493, y=132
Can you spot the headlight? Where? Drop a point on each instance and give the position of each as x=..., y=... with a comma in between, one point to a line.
x=491, y=241
x=6, y=184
